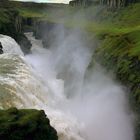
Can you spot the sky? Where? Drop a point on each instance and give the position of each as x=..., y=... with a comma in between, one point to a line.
x=50, y=1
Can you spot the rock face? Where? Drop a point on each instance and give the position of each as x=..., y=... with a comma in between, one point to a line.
x=25, y=125
x=11, y=25
x=109, y=3
x=24, y=43
x=116, y=3
x=79, y=2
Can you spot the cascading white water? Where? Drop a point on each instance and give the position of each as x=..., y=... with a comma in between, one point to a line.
x=18, y=84
x=10, y=45
x=91, y=107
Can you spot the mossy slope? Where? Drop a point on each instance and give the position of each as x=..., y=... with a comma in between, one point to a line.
x=25, y=125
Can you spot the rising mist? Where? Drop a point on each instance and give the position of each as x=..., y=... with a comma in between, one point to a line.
x=83, y=104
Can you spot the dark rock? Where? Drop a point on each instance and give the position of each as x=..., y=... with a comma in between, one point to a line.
x=24, y=43
x=25, y=125
x=1, y=48
x=13, y=27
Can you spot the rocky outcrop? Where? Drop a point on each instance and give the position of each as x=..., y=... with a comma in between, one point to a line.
x=78, y=3
x=25, y=125
x=1, y=48
x=116, y=3
x=83, y=2
x=24, y=43
x=108, y=3
x=11, y=25
x=20, y=37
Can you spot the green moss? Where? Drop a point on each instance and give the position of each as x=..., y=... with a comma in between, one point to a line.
x=119, y=48
x=135, y=37
x=25, y=125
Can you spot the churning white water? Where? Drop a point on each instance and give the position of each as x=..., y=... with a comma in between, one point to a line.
x=81, y=104
x=10, y=45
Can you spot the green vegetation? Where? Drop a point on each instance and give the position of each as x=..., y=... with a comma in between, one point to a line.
x=120, y=47
x=117, y=31
x=6, y=20
x=25, y=125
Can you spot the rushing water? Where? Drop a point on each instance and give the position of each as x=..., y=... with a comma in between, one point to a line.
x=81, y=104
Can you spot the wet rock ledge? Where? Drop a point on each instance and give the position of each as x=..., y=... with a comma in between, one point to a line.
x=25, y=124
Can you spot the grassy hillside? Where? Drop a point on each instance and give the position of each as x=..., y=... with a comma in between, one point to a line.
x=120, y=47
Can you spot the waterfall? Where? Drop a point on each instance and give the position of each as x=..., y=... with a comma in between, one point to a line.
x=80, y=106
x=10, y=45
x=18, y=85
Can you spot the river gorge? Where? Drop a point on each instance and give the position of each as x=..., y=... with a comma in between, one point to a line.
x=81, y=103
x=70, y=71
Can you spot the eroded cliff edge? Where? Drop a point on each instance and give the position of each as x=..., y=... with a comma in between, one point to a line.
x=25, y=125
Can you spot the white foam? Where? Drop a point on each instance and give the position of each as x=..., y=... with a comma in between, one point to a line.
x=10, y=45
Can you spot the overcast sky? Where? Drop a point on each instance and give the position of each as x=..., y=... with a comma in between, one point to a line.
x=52, y=1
